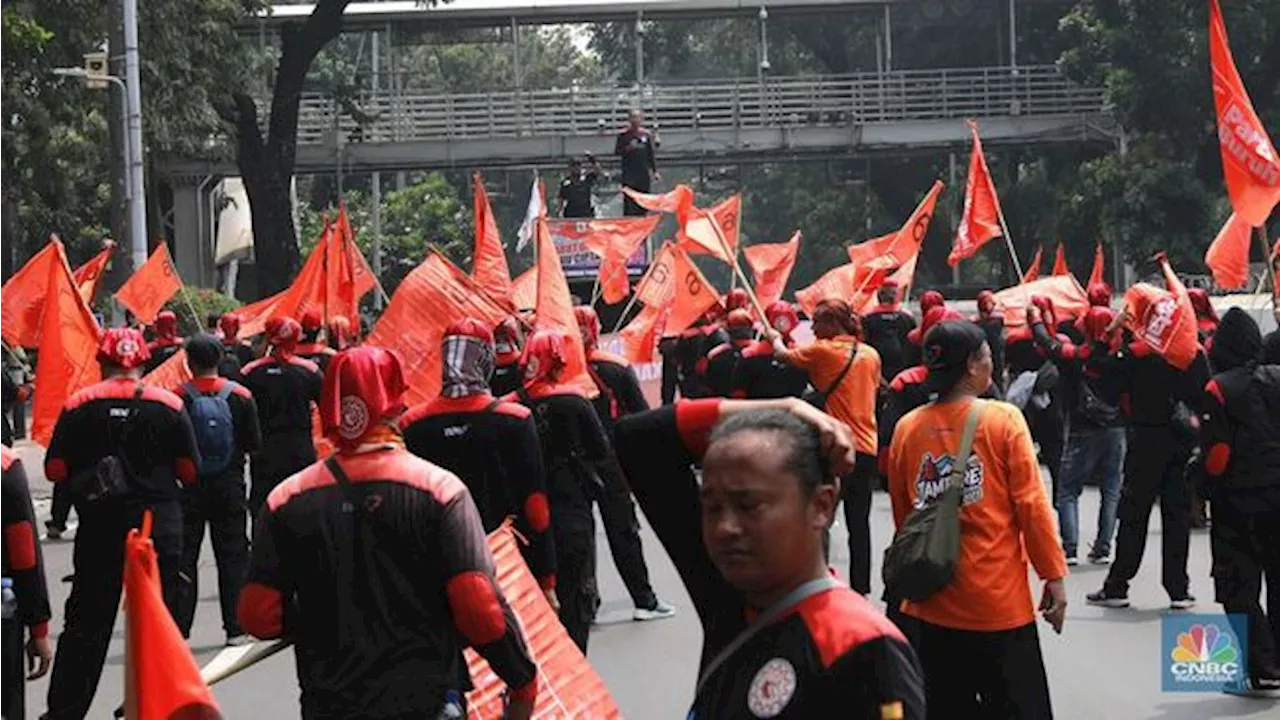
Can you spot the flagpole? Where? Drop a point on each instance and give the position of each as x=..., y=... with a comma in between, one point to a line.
x=195, y=317
x=746, y=284
x=1008, y=241
x=1261, y=232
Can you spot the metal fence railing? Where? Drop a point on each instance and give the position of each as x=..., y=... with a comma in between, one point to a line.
x=837, y=100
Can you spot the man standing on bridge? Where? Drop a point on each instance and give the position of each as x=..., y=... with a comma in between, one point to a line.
x=636, y=147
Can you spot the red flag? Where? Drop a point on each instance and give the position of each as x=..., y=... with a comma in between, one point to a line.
x=904, y=276
x=347, y=276
x=68, y=347
x=698, y=237
x=845, y=282
x=150, y=286
x=614, y=241
x=1249, y=160
x=171, y=373
x=524, y=290
x=980, y=220
x=679, y=201
x=907, y=241
x=693, y=294
x=162, y=680
x=88, y=275
x=253, y=317
x=1033, y=271
x=1164, y=319
x=640, y=337
x=310, y=286
x=488, y=259
x=868, y=250
x=1099, y=266
x=657, y=287
x=431, y=297
x=1228, y=256
x=1060, y=261
x=1069, y=299
x=568, y=687
x=772, y=265
x=555, y=311
x=22, y=298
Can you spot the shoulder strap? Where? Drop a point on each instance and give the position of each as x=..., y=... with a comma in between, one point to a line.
x=190, y=390
x=493, y=404
x=853, y=353
x=227, y=388
x=762, y=621
x=349, y=505
x=966, y=441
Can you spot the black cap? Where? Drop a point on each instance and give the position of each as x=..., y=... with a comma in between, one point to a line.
x=946, y=350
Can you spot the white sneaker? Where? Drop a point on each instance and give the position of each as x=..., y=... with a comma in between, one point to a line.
x=660, y=611
x=239, y=640
x=1182, y=603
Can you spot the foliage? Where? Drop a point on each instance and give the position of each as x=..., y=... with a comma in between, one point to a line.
x=204, y=302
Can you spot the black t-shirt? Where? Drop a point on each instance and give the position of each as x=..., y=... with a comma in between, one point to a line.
x=284, y=390
x=575, y=190
x=636, y=149
x=886, y=329
x=244, y=416
x=574, y=448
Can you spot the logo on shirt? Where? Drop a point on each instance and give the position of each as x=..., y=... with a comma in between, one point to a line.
x=771, y=689
x=933, y=476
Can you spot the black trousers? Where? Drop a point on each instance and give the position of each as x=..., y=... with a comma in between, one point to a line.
x=62, y=503
x=281, y=456
x=1154, y=468
x=622, y=529
x=90, y=614
x=1245, y=538
x=575, y=535
x=220, y=504
x=1048, y=428
x=855, y=491
x=995, y=675
x=13, y=680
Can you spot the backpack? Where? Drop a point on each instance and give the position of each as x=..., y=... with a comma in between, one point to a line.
x=214, y=428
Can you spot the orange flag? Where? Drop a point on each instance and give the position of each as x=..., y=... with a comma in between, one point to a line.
x=68, y=347
x=555, y=311
x=171, y=373
x=309, y=287
x=22, y=298
x=614, y=241
x=347, y=276
x=658, y=286
x=772, y=265
x=1069, y=299
x=907, y=241
x=640, y=337
x=161, y=678
x=980, y=220
x=698, y=237
x=1249, y=160
x=253, y=317
x=1164, y=318
x=834, y=283
x=488, y=259
x=150, y=286
x=904, y=276
x=431, y=297
x=88, y=275
x=693, y=294
x=1099, y=266
x=1228, y=256
x=868, y=250
x=1033, y=270
x=568, y=687
x=524, y=290
x=679, y=201
x=1060, y=261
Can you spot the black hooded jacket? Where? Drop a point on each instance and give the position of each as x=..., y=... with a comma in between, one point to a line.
x=1241, y=428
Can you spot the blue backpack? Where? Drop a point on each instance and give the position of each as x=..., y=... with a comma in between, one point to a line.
x=214, y=428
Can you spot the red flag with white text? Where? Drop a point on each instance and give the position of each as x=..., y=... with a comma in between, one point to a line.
x=980, y=219
x=1164, y=318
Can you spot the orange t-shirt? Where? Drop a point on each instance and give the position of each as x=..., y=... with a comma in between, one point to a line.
x=1005, y=509
x=853, y=402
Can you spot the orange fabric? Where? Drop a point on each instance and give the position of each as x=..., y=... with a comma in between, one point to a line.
x=171, y=373
x=488, y=260
x=524, y=290
x=868, y=250
x=88, y=275
x=849, y=282
x=1099, y=267
x=613, y=241
x=1069, y=299
x=853, y=402
x=568, y=687
x=1164, y=319
x=1060, y=261
x=161, y=675
x=347, y=276
x=772, y=265
x=693, y=294
x=698, y=234
x=904, y=276
x=253, y=317
x=678, y=201
x=22, y=298
x=980, y=219
x=68, y=348
x=555, y=312
x=1006, y=518
x=640, y=337
x=428, y=300
x=658, y=287
x=1249, y=160
x=1033, y=270
x=1228, y=255
x=907, y=241
x=150, y=286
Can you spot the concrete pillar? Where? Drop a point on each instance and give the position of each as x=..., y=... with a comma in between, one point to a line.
x=192, y=236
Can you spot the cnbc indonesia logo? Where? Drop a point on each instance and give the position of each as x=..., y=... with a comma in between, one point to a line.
x=1205, y=654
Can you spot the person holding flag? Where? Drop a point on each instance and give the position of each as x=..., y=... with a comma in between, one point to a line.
x=991, y=320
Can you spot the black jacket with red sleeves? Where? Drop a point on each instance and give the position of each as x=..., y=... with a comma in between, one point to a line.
x=493, y=447
x=575, y=446
x=384, y=587
x=833, y=655
x=284, y=389
x=23, y=561
x=150, y=432
x=1241, y=428
x=620, y=392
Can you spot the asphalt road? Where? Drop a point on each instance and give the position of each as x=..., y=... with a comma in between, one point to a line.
x=1106, y=664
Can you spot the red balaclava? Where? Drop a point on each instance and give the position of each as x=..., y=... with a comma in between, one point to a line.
x=713, y=315
x=737, y=299
x=166, y=328
x=229, y=324
x=1047, y=314
x=929, y=300
x=1096, y=320
x=124, y=347
x=937, y=314
x=1099, y=295
x=740, y=326
x=588, y=325
x=362, y=397
x=1200, y=302
x=340, y=336
x=986, y=303
x=544, y=358
x=507, y=340
x=783, y=318
x=283, y=334
x=311, y=323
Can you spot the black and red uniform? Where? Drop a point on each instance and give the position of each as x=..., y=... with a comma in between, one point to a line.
x=146, y=427
x=381, y=588
x=284, y=387
x=24, y=565
x=236, y=353
x=493, y=446
x=167, y=341
x=886, y=328
x=834, y=653
x=508, y=342
x=219, y=502
x=690, y=351
x=317, y=352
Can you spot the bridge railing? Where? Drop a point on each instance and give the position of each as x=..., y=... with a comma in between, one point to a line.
x=749, y=103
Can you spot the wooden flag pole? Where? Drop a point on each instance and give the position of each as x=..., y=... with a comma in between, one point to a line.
x=1008, y=241
x=195, y=317
x=737, y=267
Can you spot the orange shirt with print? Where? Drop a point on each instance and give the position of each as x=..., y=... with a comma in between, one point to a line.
x=1005, y=510
x=853, y=401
